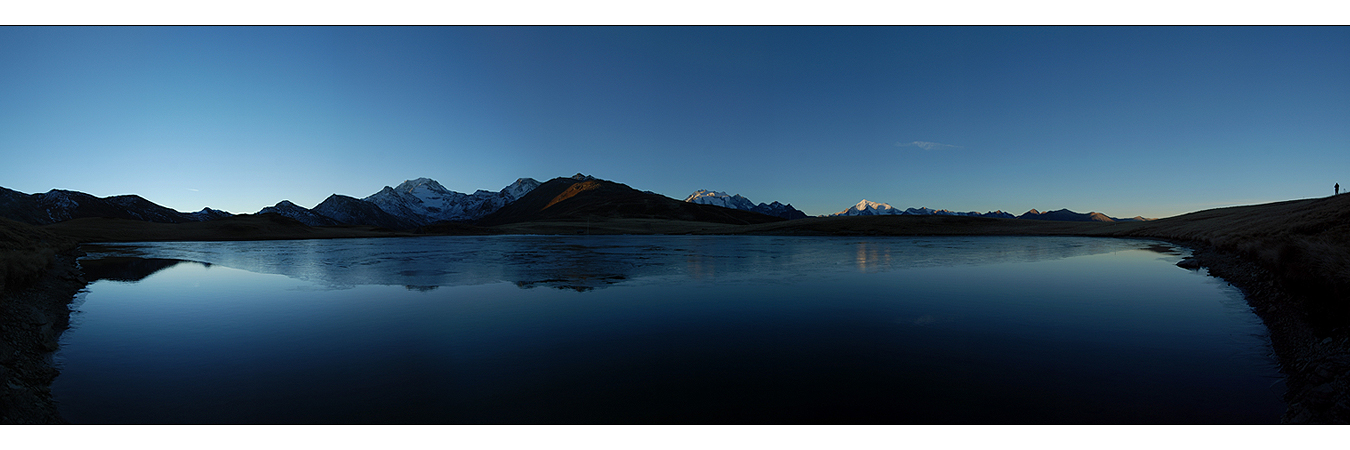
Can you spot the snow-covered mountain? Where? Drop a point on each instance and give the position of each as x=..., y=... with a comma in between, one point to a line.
x=59, y=205
x=717, y=198
x=424, y=201
x=870, y=208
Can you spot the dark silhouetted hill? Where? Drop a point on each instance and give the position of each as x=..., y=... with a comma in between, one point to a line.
x=581, y=198
x=300, y=213
x=59, y=205
x=1065, y=215
x=354, y=211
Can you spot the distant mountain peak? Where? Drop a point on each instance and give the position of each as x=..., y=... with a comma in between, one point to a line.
x=519, y=188
x=412, y=185
x=871, y=208
x=424, y=201
x=59, y=205
x=867, y=207
x=583, y=198
x=719, y=198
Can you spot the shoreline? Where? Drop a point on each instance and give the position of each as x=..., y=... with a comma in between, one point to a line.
x=31, y=322
x=1315, y=368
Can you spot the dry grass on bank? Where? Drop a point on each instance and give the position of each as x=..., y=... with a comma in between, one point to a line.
x=25, y=252
x=1304, y=242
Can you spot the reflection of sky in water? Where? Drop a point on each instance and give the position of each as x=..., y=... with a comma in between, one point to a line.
x=689, y=329
x=586, y=262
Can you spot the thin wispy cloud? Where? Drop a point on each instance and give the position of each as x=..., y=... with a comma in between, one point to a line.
x=927, y=145
x=193, y=190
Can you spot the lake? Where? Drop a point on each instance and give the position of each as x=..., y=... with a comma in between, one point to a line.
x=662, y=329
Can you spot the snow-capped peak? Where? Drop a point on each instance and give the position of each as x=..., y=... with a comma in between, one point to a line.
x=718, y=198
x=521, y=187
x=706, y=197
x=869, y=208
x=425, y=201
x=426, y=183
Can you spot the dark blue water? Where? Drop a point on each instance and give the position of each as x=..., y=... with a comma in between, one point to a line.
x=662, y=329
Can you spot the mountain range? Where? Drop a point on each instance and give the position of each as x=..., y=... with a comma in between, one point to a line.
x=59, y=205
x=411, y=204
x=423, y=202
x=584, y=197
x=705, y=197
x=1070, y=216
x=870, y=208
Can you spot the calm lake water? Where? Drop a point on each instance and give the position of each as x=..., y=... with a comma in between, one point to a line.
x=662, y=329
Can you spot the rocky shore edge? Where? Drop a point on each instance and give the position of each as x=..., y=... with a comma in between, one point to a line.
x=1316, y=368
x=31, y=322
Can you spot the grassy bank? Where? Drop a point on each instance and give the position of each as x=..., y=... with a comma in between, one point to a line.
x=38, y=279
x=256, y=227
x=1305, y=244
x=26, y=252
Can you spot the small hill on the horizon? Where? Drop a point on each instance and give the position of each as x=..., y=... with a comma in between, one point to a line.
x=58, y=205
x=354, y=211
x=1070, y=216
x=300, y=213
x=580, y=198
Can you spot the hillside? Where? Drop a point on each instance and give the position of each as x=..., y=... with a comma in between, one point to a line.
x=26, y=252
x=1306, y=243
x=38, y=279
x=59, y=205
x=581, y=198
x=243, y=227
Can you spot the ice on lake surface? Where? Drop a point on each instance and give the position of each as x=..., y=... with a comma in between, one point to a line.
x=662, y=329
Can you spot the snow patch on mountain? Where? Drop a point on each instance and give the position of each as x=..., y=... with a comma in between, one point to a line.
x=424, y=201
x=718, y=198
x=870, y=208
x=705, y=197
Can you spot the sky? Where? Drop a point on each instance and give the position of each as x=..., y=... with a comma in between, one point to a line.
x=1127, y=121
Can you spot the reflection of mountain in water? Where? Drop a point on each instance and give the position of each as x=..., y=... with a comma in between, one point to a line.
x=124, y=268
x=583, y=263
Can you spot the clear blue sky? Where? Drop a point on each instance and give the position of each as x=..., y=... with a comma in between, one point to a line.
x=1151, y=121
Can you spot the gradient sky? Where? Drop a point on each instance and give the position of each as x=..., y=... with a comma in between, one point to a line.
x=1151, y=121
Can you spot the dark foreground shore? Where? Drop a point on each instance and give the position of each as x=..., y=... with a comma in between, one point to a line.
x=1316, y=365
x=1290, y=260
x=31, y=322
